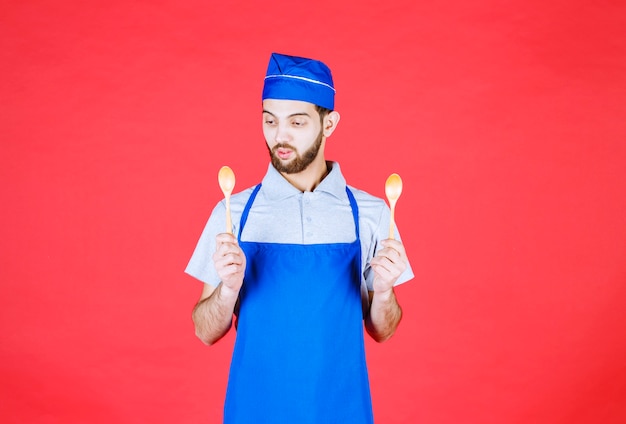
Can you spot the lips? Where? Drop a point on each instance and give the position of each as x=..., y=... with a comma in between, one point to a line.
x=284, y=153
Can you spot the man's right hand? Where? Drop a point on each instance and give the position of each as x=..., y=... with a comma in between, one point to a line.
x=230, y=262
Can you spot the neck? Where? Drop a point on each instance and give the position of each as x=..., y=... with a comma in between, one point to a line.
x=310, y=178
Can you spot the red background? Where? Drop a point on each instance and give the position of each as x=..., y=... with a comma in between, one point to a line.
x=505, y=119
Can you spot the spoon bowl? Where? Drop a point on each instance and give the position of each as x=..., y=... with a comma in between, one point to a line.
x=393, y=190
x=226, y=179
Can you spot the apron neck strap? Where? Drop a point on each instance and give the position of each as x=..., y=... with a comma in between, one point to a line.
x=246, y=210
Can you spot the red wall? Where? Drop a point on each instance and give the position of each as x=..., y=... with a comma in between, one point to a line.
x=505, y=119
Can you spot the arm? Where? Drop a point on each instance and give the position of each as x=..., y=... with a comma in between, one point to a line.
x=385, y=312
x=213, y=314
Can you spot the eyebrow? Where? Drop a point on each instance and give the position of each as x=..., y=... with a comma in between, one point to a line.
x=290, y=116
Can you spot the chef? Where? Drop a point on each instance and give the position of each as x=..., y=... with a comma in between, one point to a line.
x=307, y=268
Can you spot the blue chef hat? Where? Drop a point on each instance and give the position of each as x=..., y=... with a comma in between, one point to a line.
x=299, y=78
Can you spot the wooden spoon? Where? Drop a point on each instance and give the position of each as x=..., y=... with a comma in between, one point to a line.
x=393, y=189
x=226, y=178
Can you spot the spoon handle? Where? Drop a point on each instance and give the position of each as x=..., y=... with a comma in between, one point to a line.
x=229, y=222
x=392, y=222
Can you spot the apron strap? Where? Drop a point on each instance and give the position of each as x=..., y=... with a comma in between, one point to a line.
x=355, y=211
x=246, y=210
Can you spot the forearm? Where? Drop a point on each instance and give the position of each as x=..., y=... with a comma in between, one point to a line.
x=384, y=315
x=212, y=316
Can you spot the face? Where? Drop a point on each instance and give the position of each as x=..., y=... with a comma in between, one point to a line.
x=293, y=133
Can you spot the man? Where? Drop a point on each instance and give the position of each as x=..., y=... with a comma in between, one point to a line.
x=308, y=264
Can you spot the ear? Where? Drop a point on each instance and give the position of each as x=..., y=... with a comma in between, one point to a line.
x=330, y=123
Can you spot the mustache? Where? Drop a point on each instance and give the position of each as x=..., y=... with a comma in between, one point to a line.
x=282, y=146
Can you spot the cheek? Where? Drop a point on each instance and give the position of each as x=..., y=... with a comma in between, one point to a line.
x=311, y=133
x=268, y=134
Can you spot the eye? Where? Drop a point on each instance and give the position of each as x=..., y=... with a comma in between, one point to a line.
x=298, y=123
x=269, y=121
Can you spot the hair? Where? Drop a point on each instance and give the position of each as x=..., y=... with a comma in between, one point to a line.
x=323, y=112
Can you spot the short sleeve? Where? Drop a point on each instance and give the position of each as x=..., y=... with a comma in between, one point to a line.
x=201, y=265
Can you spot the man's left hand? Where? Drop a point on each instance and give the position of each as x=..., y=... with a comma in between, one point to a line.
x=388, y=264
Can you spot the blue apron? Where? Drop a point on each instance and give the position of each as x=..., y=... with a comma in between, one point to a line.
x=299, y=354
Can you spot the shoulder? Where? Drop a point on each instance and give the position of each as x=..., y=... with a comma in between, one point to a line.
x=366, y=200
x=371, y=208
x=242, y=196
x=237, y=201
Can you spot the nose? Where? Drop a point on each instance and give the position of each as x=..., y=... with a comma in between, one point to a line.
x=282, y=134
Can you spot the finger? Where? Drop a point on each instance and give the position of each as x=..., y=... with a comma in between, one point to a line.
x=231, y=270
x=226, y=247
x=225, y=239
x=393, y=267
x=384, y=277
x=388, y=255
x=395, y=245
x=392, y=254
x=381, y=263
x=228, y=259
x=229, y=249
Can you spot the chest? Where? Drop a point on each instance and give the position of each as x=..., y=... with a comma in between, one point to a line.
x=308, y=218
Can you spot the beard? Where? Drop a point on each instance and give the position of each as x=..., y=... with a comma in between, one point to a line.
x=300, y=162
